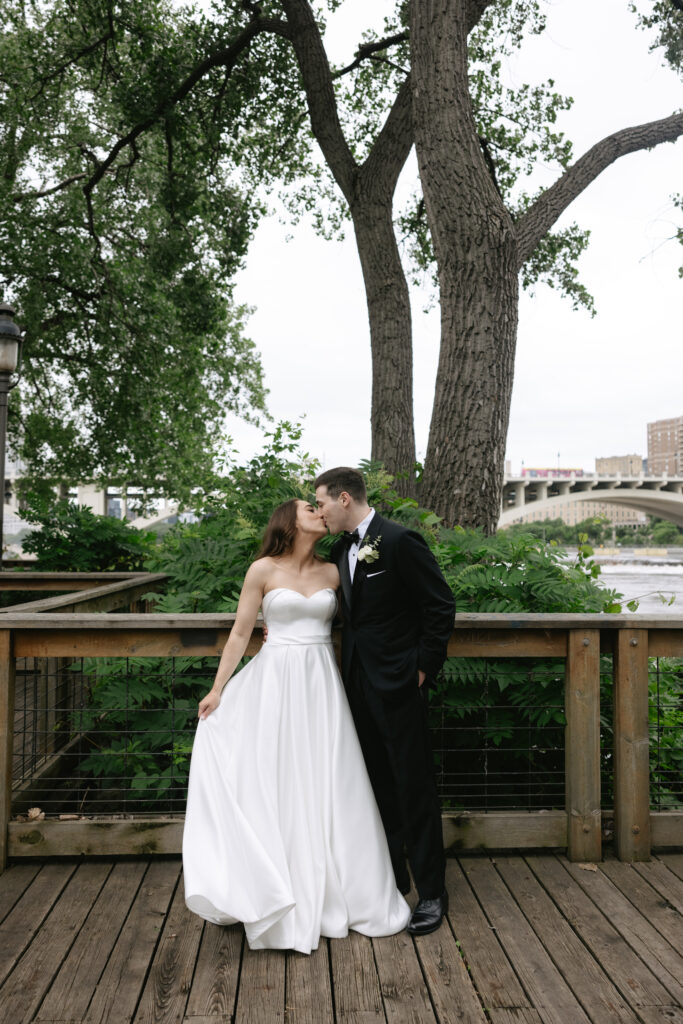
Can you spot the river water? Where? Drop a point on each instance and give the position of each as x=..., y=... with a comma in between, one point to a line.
x=644, y=578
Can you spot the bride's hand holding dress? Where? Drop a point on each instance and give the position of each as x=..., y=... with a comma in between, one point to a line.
x=245, y=619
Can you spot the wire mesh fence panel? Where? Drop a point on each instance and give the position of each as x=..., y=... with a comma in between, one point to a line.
x=120, y=742
x=47, y=691
x=665, y=713
x=111, y=736
x=607, y=732
x=498, y=730
x=665, y=704
x=114, y=735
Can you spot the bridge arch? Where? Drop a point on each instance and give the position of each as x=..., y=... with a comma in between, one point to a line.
x=665, y=504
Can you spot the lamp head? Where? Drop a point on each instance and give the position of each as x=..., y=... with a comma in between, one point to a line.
x=10, y=340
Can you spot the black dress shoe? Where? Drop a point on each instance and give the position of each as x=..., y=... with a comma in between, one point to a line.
x=428, y=915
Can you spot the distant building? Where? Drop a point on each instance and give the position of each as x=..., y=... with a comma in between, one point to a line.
x=665, y=447
x=626, y=465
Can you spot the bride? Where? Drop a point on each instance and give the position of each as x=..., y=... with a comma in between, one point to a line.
x=282, y=830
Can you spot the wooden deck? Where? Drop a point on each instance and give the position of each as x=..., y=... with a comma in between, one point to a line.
x=530, y=940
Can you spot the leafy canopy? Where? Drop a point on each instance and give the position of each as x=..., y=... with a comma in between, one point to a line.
x=134, y=349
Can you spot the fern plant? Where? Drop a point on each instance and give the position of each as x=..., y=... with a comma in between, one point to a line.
x=499, y=720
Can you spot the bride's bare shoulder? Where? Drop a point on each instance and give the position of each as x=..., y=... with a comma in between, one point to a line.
x=260, y=570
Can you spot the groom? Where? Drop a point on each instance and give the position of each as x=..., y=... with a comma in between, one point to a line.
x=398, y=614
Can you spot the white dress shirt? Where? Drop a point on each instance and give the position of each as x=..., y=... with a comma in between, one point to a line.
x=355, y=547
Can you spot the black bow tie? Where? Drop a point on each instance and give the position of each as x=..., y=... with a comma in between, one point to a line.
x=351, y=538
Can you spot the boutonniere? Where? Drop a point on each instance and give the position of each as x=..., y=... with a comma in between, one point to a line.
x=369, y=552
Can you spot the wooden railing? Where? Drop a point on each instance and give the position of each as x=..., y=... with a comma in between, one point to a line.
x=578, y=639
x=31, y=579
x=87, y=592
x=95, y=591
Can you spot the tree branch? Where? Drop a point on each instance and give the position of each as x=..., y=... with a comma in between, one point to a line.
x=389, y=64
x=84, y=52
x=542, y=214
x=367, y=49
x=222, y=58
x=390, y=151
x=322, y=103
x=19, y=197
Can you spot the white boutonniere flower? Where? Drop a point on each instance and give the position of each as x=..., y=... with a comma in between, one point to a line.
x=369, y=552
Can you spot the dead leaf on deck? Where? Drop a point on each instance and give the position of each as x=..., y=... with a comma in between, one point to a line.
x=588, y=867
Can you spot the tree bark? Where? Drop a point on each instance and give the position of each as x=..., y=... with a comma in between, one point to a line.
x=391, y=339
x=476, y=255
x=393, y=437
x=368, y=190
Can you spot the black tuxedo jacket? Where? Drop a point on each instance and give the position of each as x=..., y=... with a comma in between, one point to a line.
x=399, y=611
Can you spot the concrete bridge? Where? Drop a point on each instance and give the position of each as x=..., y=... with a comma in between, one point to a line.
x=660, y=495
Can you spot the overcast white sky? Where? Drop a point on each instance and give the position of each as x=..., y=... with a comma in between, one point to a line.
x=583, y=387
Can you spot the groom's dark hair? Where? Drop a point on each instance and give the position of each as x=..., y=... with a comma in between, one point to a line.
x=343, y=478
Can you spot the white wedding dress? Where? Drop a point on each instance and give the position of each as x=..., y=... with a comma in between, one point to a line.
x=282, y=830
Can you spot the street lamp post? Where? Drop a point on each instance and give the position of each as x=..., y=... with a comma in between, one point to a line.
x=10, y=346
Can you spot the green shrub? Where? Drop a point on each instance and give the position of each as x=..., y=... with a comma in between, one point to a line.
x=74, y=539
x=492, y=702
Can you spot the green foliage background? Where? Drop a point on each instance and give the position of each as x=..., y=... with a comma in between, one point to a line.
x=136, y=158
x=74, y=539
x=141, y=712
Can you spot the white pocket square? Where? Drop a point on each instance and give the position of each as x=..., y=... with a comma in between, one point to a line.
x=371, y=574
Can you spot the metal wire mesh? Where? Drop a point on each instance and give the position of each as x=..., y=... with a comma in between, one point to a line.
x=665, y=712
x=106, y=736
x=666, y=733
x=606, y=732
x=45, y=697
x=498, y=735
x=114, y=735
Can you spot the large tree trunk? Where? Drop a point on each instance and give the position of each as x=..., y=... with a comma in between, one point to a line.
x=368, y=189
x=476, y=254
x=393, y=437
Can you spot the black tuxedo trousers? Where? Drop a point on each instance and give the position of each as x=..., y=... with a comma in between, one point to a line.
x=394, y=736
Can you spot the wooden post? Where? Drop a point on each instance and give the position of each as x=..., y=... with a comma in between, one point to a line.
x=6, y=738
x=582, y=748
x=631, y=746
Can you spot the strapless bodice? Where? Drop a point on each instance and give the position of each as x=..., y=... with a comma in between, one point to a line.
x=294, y=619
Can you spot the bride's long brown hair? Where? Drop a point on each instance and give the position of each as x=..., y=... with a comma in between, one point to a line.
x=280, y=531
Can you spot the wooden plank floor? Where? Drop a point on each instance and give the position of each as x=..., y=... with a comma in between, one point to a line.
x=529, y=940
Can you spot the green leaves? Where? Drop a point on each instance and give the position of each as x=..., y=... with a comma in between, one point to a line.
x=666, y=18
x=206, y=561
x=134, y=349
x=74, y=539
